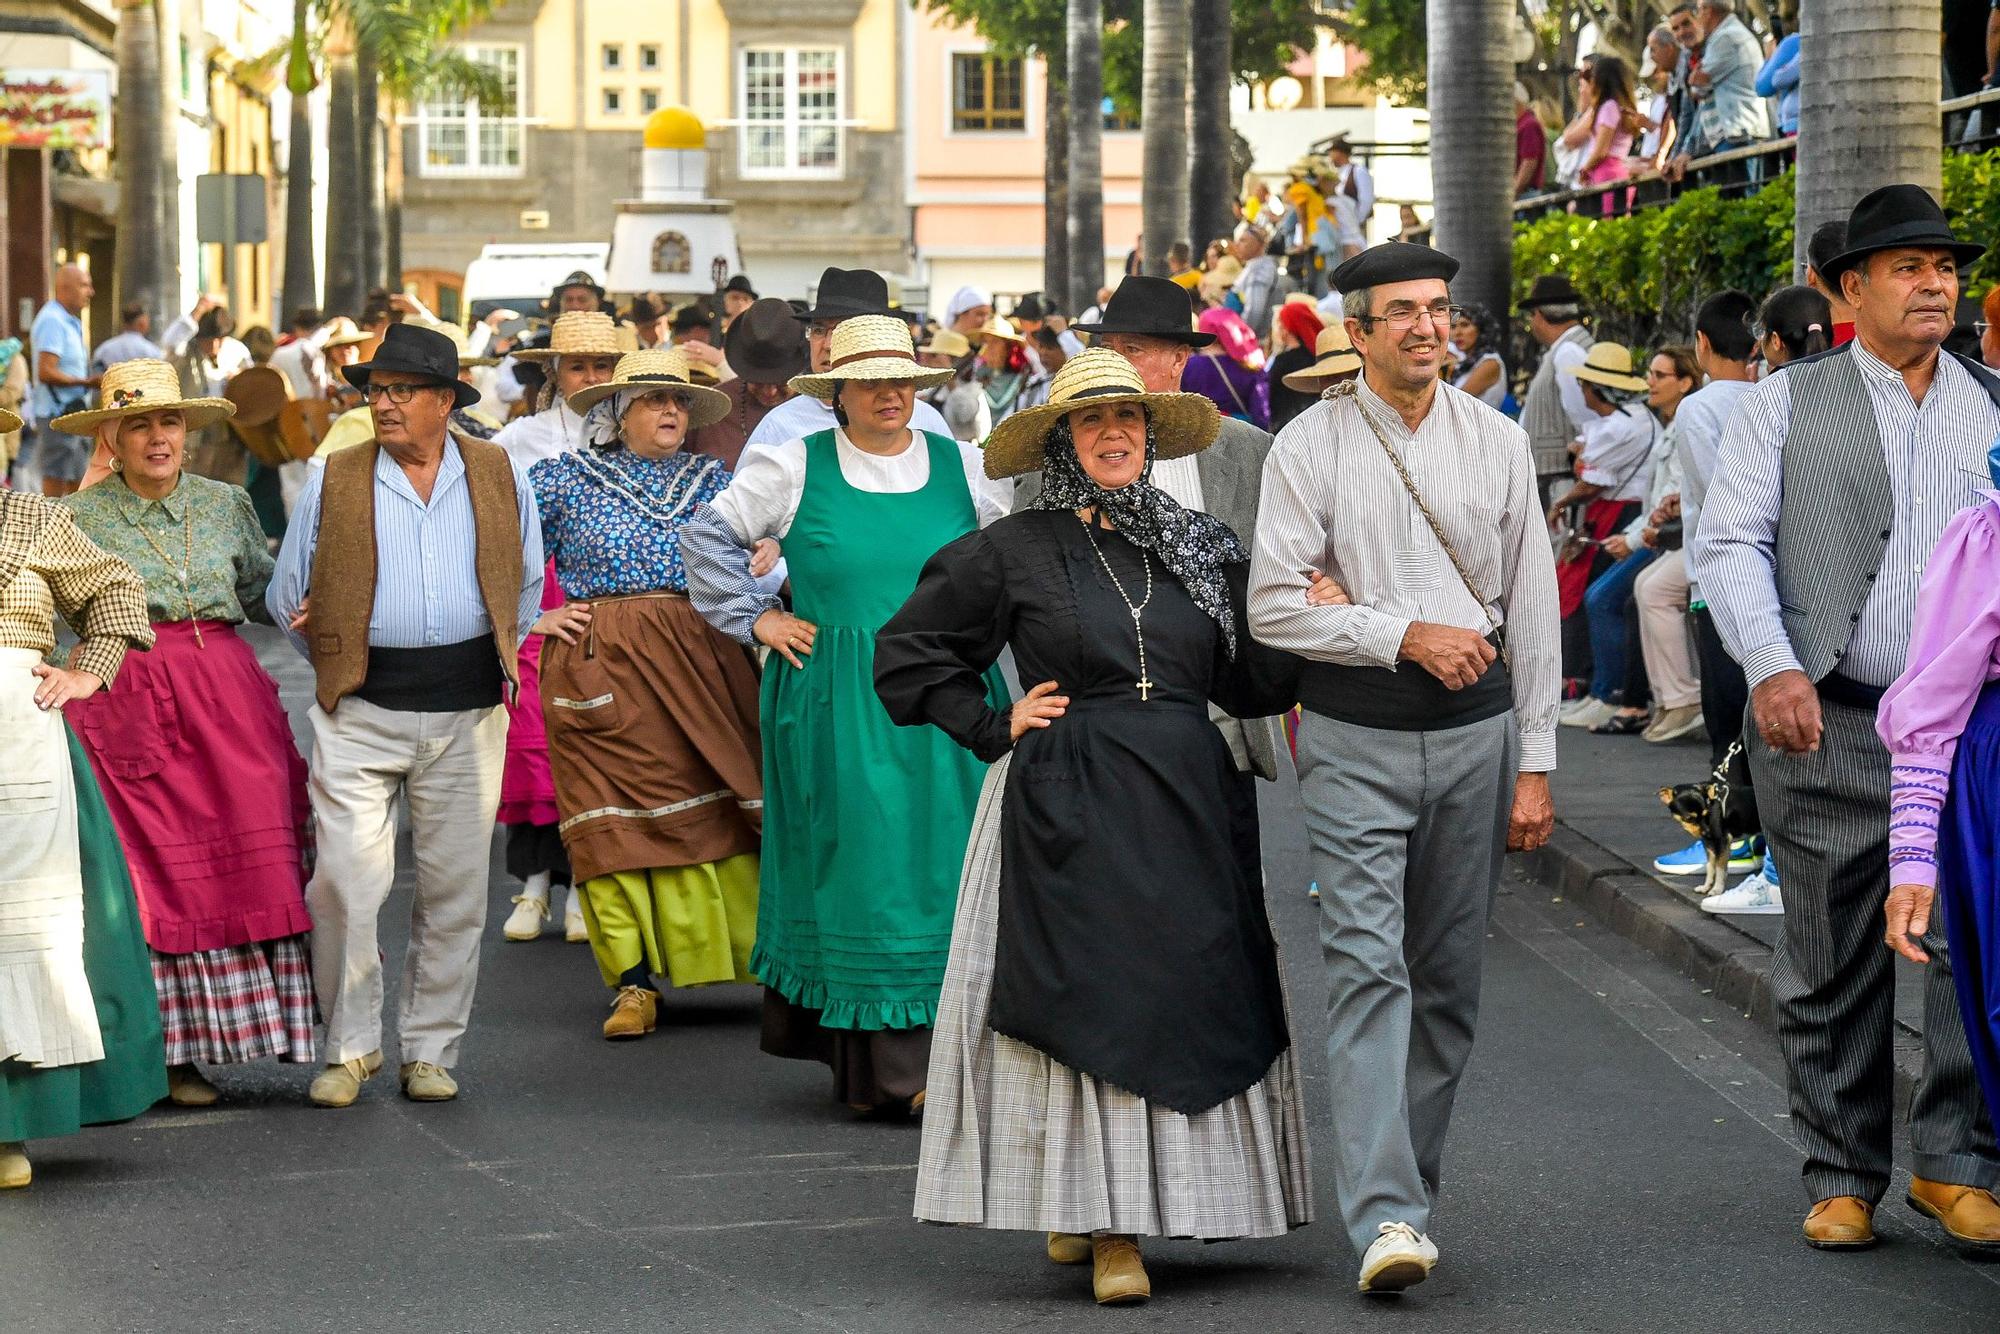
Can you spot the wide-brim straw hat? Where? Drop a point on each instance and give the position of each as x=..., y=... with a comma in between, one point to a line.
x=652, y=369
x=132, y=388
x=580, y=333
x=456, y=333
x=1335, y=355
x=870, y=347
x=1183, y=424
x=1609, y=364
x=343, y=332
x=10, y=422
x=999, y=328
x=948, y=343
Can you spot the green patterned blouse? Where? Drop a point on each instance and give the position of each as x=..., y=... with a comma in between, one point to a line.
x=213, y=520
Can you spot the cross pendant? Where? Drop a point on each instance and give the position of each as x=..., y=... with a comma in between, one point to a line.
x=1145, y=688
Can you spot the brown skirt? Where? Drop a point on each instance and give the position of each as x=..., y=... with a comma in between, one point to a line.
x=877, y=1068
x=652, y=721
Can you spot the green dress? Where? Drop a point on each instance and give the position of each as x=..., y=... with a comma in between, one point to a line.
x=865, y=822
x=40, y=1104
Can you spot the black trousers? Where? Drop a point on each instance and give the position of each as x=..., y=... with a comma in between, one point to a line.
x=1725, y=695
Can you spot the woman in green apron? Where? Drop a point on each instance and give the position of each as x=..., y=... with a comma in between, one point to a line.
x=865, y=823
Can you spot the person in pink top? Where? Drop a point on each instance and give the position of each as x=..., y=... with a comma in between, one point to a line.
x=1614, y=125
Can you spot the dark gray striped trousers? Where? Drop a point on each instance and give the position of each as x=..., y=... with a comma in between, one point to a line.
x=1826, y=817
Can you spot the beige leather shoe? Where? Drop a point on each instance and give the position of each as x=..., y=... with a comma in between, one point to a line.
x=424, y=1082
x=15, y=1171
x=186, y=1087
x=1970, y=1215
x=634, y=1013
x=1119, y=1276
x=1842, y=1223
x=1069, y=1248
x=339, y=1085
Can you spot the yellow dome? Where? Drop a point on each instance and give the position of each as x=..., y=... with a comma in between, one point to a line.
x=675, y=127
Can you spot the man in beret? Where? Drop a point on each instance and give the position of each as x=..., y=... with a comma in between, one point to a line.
x=1430, y=721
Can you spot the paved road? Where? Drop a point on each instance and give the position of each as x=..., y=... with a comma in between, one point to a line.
x=1621, y=1162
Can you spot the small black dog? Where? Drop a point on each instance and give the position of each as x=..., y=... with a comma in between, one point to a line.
x=1718, y=811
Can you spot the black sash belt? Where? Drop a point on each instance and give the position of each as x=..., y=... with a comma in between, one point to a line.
x=1405, y=698
x=447, y=678
x=1854, y=694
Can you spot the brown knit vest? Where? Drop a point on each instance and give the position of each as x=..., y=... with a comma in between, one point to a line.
x=344, y=566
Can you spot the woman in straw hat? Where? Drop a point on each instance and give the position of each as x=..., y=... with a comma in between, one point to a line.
x=1002, y=368
x=193, y=750
x=1112, y=1055
x=79, y=1033
x=583, y=351
x=652, y=714
x=865, y=823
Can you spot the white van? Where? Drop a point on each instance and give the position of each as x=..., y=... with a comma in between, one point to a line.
x=520, y=277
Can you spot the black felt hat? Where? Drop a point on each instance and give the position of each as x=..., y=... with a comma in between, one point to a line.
x=1552, y=289
x=740, y=283
x=844, y=293
x=766, y=344
x=415, y=350
x=1393, y=262
x=1892, y=218
x=1152, y=308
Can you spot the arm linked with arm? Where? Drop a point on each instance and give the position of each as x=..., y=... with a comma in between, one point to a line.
x=289, y=584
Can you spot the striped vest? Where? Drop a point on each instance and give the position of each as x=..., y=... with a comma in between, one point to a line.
x=1549, y=428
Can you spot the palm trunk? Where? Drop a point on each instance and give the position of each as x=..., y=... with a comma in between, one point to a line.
x=1163, y=110
x=1868, y=107
x=368, y=144
x=300, y=282
x=1211, y=177
x=139, y=144
x=168, y=166
x=345, y=284
x=1471, y=73
x=1055, y=187
x=392, y=199
x=1085, y=68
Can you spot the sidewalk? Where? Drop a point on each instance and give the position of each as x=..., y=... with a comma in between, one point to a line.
x=1609, y=827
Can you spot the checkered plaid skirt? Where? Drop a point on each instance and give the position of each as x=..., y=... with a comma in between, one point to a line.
x=1013, y=1139
x=239, y=1003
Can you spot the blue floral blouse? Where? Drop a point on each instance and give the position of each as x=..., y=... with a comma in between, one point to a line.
x=612, y=519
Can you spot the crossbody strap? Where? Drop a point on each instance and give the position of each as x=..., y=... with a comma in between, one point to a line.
x=1346, y=390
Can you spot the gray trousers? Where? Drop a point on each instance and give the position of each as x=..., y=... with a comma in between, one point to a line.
x=1826, y=818
x=1408, y=833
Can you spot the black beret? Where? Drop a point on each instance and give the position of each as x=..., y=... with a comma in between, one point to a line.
x=1393, y=262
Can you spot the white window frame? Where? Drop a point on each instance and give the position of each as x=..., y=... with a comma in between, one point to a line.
x=653, y=95
x=474, y=121
x=611, y=57
x=791, y=122
x=605, y=97
x=649, y=57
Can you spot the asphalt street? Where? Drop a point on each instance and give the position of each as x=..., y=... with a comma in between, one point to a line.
x=1621, y=1160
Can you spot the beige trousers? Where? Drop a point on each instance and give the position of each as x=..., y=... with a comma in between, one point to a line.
x=448, y=766
x=1662, y=591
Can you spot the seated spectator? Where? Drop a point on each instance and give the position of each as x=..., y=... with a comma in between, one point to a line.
x=1477, y=367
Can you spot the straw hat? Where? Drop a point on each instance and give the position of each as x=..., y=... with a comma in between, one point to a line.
x=999, y=328
x=9, y=422
x=579, y=333
x=146, y=385
x=948, y=343
x=1336, y=356
x=456, y=333
x=870, y=347
x=656, y=368
x=1609, y=364
x=343, y=332
x=1183, y=423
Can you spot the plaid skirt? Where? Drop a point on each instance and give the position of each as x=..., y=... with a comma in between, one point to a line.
x=1013, y=1139
x=239, y=1003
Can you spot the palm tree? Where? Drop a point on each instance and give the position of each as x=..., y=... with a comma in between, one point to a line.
x=1084, y=43
x=1211, y=177
x=368, y=149
x=300, y=282
x=168, y=17
x=1163, y=114
x=1868, y=110
x=140, y=144
x=346, y=281
x=1055, y=183
x=1472, y=141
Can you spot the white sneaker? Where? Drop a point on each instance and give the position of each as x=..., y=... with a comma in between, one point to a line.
x=1588, y=712
x=1401, y=1257
x=574, y=929
x=1756, y=896
x=525, y=922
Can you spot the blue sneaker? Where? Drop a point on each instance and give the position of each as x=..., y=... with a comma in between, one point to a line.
x=1744, y=855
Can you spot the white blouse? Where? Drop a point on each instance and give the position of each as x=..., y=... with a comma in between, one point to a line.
x=541, y=435
x=763, y=499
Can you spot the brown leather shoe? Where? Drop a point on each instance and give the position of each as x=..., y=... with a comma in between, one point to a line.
x=16, y=1172
x=1119, y=1277
x=1970, y=1215
x=187, y=1087
x=635, y=1013
x=1843, y=1223
x=1069, y=1248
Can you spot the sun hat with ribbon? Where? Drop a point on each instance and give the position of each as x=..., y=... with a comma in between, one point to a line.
x=1336, y=356
x=1183, y=424
x=654, y=369
x=1609, y=364
x=870, y=347
x=579, y=333
x=144, y=385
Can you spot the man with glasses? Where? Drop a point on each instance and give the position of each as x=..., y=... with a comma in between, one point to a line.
x=409, y=576
x=1429, y=728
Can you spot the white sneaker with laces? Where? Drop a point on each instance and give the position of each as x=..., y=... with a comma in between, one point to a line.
x=1401, y=1257
x=525, y=922
x=1592, y=712
x=574, y=929
x=1756, y=896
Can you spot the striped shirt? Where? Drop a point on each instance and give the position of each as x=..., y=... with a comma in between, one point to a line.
x=1936, y=457
x=427, y=583
x=1333, y=502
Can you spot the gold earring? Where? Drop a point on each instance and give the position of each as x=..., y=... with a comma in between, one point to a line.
x=117, y=465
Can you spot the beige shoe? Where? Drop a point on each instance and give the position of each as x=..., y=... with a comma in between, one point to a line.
x=1841, y=1223
x=575, y=929
x=1400, y=1257
x=525, y=922
x=186, y=1087
x=1118, y=1277
x=634, y=1013
x=339, y=1085
x=15, y=1171
x=1069, y=1248
x=424, y=1082
x=1969, y=1214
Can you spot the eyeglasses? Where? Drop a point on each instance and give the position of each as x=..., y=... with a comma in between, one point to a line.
x=1400, y=319
x=398, y=394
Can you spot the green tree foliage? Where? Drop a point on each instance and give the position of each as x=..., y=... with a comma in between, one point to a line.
x=1391, y=34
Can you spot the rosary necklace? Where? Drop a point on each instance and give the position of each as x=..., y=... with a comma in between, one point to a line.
x=186, y=573
x=1138, y=609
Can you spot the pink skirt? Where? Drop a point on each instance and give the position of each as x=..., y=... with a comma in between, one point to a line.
x=527, y=785
x=206, y=787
